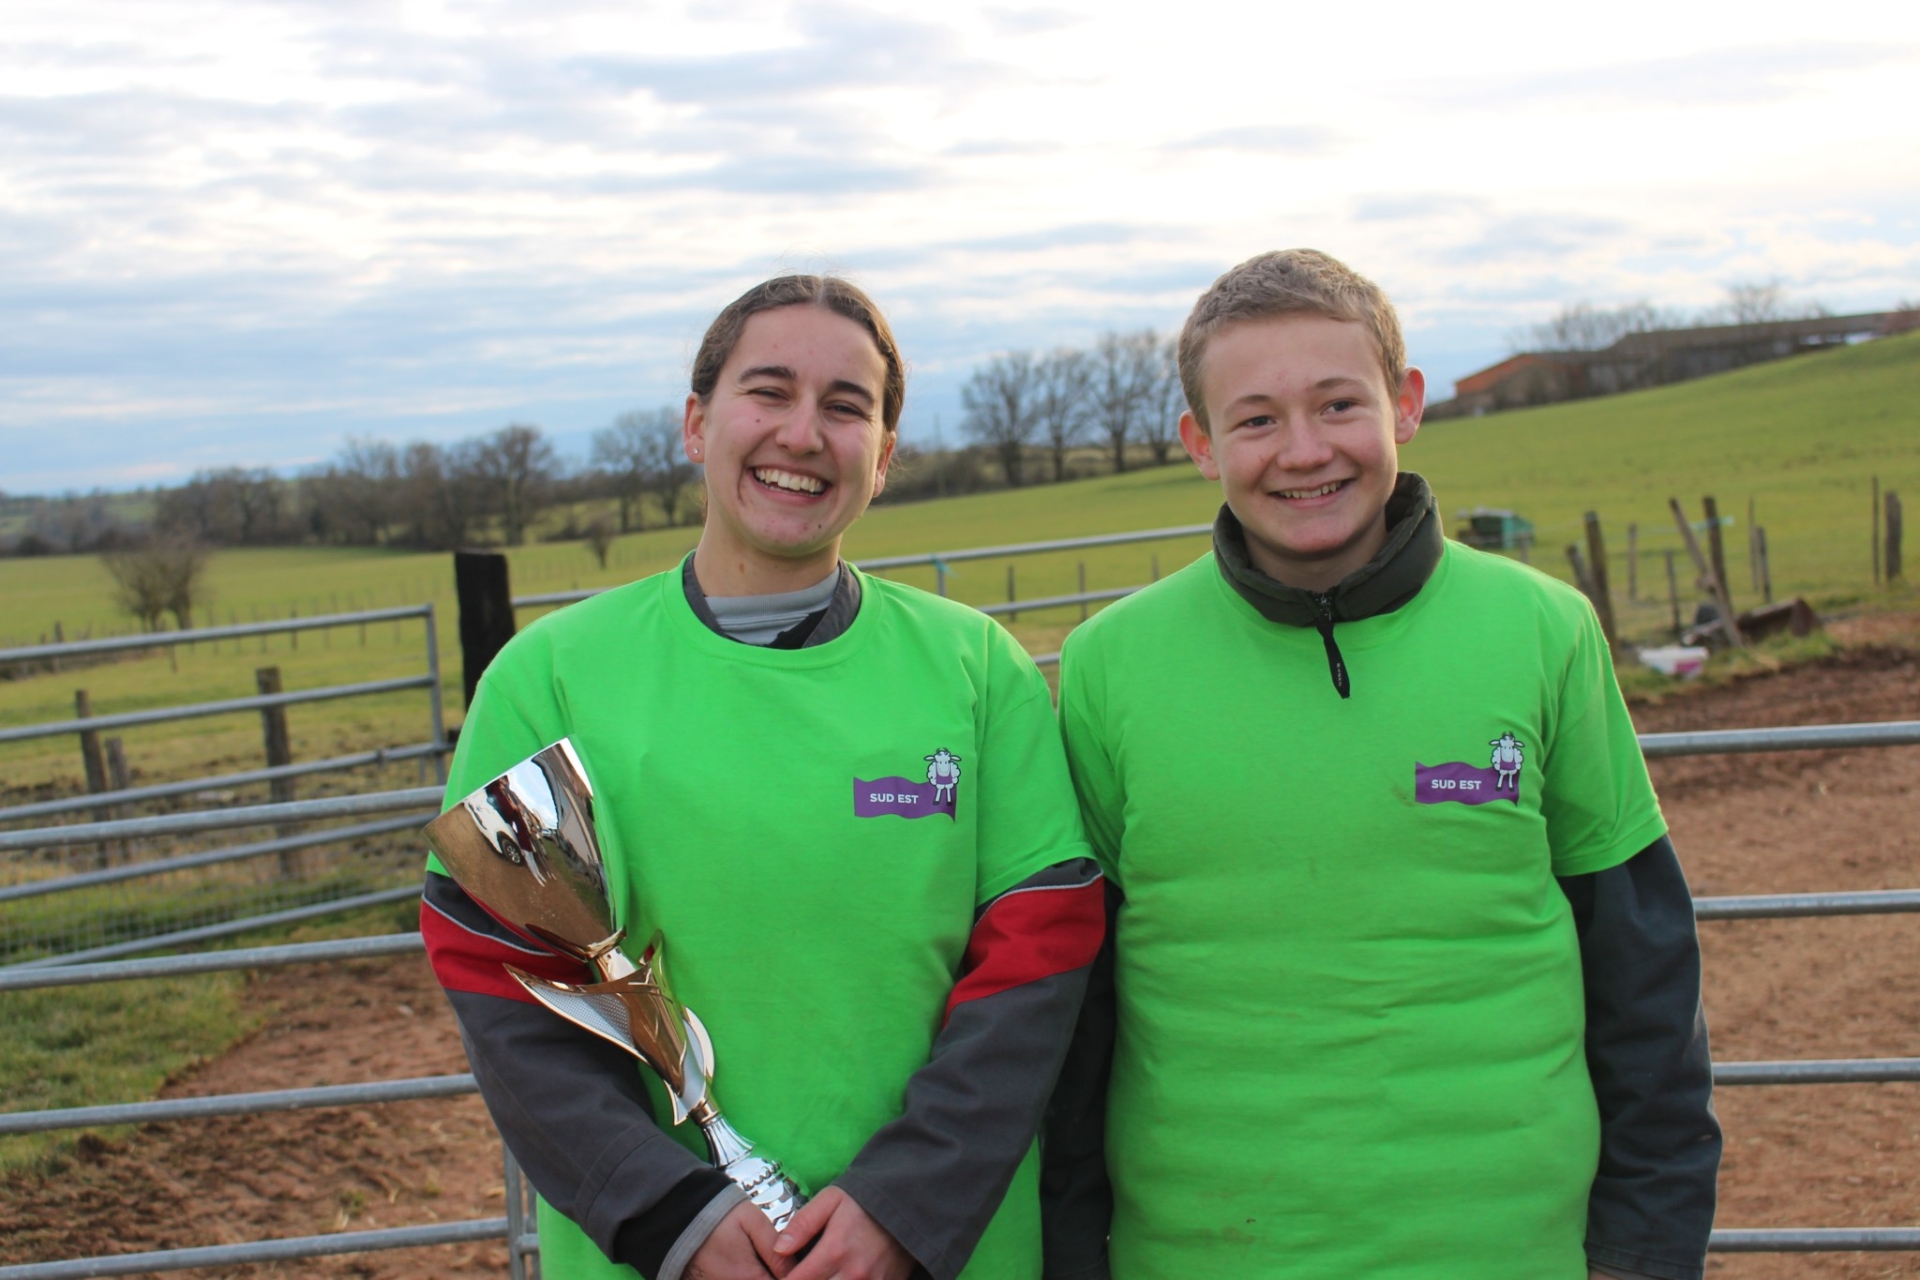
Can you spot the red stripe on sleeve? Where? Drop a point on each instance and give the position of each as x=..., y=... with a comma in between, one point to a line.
x=467, y=961
x=1029, y=935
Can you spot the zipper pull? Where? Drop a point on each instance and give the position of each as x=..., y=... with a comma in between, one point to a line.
x=1336, y=664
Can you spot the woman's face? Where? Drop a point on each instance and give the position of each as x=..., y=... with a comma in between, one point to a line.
x=793, y=446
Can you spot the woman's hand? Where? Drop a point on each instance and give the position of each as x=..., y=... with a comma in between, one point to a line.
x=740, y=1248
x=850, y=1245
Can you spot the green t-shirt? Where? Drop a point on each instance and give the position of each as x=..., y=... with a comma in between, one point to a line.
x=772, y=811
x=1351, y=1012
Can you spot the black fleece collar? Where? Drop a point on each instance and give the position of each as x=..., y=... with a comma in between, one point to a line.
x=1415, y=543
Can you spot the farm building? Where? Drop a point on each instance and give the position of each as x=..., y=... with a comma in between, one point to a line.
x=1655, y=358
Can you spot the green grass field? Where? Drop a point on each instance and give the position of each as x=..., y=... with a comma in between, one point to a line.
x=1800, y=438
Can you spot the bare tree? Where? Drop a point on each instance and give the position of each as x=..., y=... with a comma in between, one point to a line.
x=1063, y=382
x=1585, y=327
x=1000, y=399
x=1123, y=372
x=600, y=533
x=664, y=464
x=161, y=576
x=1756, y=302
x=1160, y=422
x=517, y=466
x=620, y=450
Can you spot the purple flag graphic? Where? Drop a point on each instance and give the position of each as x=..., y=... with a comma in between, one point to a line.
x=899, y=797
x=1461, y=783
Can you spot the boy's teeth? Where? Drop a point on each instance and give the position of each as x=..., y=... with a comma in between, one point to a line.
x=788, y=480
x=1321, y=492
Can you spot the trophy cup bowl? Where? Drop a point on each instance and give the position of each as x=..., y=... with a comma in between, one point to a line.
x=524, y=847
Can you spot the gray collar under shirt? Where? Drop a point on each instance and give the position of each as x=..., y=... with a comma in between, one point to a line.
x=785, y=620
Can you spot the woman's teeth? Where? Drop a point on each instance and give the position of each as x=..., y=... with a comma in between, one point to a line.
x=791, y=481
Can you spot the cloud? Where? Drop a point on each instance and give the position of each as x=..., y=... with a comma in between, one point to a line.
x=1720, y=77
x=1288, y=140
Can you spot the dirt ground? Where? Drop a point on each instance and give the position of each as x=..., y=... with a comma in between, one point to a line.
x=1834, y=1155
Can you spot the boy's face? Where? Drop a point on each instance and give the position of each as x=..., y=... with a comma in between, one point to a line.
x=1304, y=442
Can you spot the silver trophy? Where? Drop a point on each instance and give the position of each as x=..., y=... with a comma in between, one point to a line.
x=524, y=847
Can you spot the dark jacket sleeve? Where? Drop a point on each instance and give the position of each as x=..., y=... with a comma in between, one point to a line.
x=1076, y=1198
x=571, y=1107
x=935, y=1176
x=1652, y=1203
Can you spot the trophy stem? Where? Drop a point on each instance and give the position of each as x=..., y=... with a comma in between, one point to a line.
x=765, y=1183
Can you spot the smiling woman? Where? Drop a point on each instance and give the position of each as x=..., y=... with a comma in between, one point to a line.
x=846, y=802
x=797, y=391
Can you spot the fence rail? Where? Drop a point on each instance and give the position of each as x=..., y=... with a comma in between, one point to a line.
x=241, y=631
x=196, y=710
x=94, y=966
x=219, y=781
x=253, y=815
x=939, y=560
x=288, y=1250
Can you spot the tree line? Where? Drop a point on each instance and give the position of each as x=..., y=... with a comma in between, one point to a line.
x=1122, y=391
x=1106, y=407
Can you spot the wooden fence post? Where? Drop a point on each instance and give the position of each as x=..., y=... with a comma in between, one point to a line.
x=1716, y=545
x=1753, y=548
x=1580, y=578
x=1633, y=562
x=1597, y=575
x=1673, y=596
x=485, y=601
x=1729, y=625
x=95, y=764
x=1766, y=565
x=1891, y=503
x=1011, y=617
x=1873, y=538
x=279, y=746
x=1083, y=590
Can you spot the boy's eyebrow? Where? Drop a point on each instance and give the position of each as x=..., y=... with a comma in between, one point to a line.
x=786, y=374
x=1325, y=384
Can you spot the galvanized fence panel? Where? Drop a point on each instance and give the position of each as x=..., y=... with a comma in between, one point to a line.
x=139, y=882
x=88, y=967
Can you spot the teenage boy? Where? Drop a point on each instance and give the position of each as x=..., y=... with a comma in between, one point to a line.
x=1407, y=981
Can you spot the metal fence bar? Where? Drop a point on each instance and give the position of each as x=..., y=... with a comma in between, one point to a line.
x=287, y=1250
x=161, y=639
x=255, y=815
x=938, y=559
x=436, y=717
x=1781, y=905
x=1890, y=733
x=164, y=790
x=1824, y=1071
x=1054, y=602
x=161, y=715
x=1036, y=548
x=1792, y=1240
x=24, y=978
x=238, y=1104
x=205, y=933
x=211, y=857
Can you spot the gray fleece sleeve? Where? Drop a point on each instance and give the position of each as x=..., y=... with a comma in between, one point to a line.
x=935, y=1176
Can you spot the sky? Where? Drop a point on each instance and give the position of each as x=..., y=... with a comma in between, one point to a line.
x=239, y=234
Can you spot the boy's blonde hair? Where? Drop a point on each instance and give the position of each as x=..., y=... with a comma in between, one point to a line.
x=1289, y=282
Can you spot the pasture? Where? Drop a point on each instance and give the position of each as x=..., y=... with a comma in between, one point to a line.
x=1801, y=439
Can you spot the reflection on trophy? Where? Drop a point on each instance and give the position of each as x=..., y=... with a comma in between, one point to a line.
x=524, y=847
